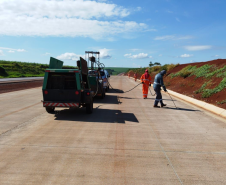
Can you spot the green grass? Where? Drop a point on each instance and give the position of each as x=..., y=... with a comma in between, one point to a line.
x=116, y=70
x=206, y=72
x=185, y=72
x=14, y=69
x=222, y=102
x=202, y=71
x=209, y=92
x=201, y=88
x=154, y=69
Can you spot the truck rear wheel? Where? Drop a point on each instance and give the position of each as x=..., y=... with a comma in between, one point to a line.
x=89, y=107
x=103, y=94
x=50, y=109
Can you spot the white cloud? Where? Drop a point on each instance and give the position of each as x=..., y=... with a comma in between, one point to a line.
x=11, y=50
x=104, y=53
x=139, y=56
x=160, y=55
x=216, y=56
x=197, y=48
x=20, y=50
x=84, y=9
x=177, y=19
x=173, y=37
x=186, y=56
x=1, y=53
x=47, y=53
x=80, y=18
x=69, y=56
x=133, y=50
x=139, y=8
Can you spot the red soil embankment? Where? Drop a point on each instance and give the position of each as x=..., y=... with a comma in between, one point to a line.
x=8, y=87
x=189, y=85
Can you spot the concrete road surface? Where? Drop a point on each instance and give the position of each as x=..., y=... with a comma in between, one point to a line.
x=124, y=141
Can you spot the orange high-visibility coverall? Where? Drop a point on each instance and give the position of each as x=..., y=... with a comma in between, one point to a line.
x=135, y=77
x=145, y=85
x=129, y=75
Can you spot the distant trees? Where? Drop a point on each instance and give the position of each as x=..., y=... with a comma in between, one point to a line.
x=155, y=64
x=151, y=64
x=2, y=71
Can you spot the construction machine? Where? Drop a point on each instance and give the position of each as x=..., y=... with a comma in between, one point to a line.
x=67, y=88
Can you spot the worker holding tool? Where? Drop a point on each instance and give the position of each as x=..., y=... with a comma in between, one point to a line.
x=135, y=77
x=158, y=83
x=146, y=81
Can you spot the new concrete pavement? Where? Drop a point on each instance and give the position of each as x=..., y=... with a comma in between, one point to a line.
x=124, y=141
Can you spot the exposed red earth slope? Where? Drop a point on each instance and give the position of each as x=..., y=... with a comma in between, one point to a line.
x=8, y=87
x=187, y=86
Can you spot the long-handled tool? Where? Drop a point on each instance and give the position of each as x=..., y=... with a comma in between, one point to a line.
x=172, y=99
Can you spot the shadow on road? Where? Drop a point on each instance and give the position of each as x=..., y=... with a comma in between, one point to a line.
x=162, y=99
x=98, y=115
x=183, y=109
x=115, y=91
x=127, y=98
x=109, y=99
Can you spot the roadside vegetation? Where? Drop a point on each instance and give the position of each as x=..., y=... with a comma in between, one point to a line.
x=152, y=68
x=116, y=70
x=207, y=72
x=14, y=69
x=205, y=80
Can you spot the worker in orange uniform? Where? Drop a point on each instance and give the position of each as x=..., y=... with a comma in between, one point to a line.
x=146, y=81
x=135, y=77
x=129, y=75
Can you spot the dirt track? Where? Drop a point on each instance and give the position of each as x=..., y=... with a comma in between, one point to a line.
x=125, y=141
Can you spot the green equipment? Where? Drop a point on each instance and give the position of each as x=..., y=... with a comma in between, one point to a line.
x=67, y=88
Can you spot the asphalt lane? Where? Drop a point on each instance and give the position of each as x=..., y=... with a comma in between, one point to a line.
x=124, y=141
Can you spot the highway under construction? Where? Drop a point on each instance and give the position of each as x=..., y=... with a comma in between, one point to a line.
x=124, y=141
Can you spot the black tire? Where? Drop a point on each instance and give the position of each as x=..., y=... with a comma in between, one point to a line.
x=89, y=107
x=50, y=110
x=103, y=94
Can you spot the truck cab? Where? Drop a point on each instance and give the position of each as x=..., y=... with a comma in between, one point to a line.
x=68, y=88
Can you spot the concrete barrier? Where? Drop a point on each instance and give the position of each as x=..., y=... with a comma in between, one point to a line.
x=209, y=107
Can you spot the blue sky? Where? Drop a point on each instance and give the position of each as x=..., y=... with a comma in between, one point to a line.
x=127, y=33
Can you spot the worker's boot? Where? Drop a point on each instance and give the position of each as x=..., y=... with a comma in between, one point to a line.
x=162, y=104
x=156, y=106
